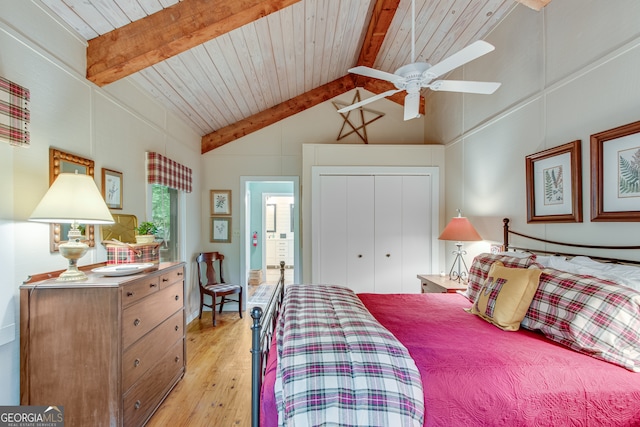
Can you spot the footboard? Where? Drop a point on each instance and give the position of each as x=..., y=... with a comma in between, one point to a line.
x=264, y=323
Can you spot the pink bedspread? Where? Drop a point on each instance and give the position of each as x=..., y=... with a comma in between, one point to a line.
x=475, y=374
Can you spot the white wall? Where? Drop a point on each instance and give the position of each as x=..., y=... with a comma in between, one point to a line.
x=113, y=126
x=277, y=150
x=567, y=72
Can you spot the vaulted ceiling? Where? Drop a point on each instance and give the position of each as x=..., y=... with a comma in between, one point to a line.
x=231, y=67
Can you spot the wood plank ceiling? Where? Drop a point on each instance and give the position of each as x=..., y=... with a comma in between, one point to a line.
x=231, y=67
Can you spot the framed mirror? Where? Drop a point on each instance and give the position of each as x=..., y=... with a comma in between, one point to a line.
x=61, y=162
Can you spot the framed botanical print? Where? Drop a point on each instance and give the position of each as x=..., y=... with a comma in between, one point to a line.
x=554, y=184
x=112, y=188
x=220, y=230
x=220, y=202
x=615, y=174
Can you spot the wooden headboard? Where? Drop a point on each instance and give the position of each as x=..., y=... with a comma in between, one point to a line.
x=507, y=247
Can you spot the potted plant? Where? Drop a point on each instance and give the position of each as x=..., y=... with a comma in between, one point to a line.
x=146, y=232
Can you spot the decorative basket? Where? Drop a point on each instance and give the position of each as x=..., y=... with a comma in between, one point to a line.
x=126, y=253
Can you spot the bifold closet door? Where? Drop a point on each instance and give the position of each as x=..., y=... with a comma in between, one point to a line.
x=388, y=234
x=332, y=220
x=417, y=234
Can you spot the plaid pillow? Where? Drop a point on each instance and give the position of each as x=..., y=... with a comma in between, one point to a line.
x=589, y=315
x=480, y=269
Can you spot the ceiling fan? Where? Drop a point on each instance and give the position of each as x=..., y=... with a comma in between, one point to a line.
x=417, y=75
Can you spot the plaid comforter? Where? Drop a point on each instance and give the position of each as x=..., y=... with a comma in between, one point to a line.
x=338, y=366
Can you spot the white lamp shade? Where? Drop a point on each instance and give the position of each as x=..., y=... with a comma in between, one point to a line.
x=73, y=198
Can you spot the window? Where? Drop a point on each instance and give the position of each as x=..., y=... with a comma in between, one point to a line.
x=164, y=209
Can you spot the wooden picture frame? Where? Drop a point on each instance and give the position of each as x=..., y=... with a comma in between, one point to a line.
x=615, y=174
x=220, y=229
x=62, y=162
x=220, y=202
x=112, y=188
x=550, y=197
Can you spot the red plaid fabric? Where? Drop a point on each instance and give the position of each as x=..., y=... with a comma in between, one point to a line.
x=14, y=113
x=133, y=254
x=164, y=171
x=482, y=264
x=589, y=315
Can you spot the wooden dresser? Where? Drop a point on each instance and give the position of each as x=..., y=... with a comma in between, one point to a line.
x=108, y=349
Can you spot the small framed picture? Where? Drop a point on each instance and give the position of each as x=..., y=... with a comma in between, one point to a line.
x=220, y=202
x=615, y=174
x=220, y=230
x=554, y=184
x=112, y=188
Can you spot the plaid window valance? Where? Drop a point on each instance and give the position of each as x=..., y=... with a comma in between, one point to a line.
x=164, y=171
x=14, y=113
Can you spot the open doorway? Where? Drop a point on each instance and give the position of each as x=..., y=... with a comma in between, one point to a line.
x=270, y=229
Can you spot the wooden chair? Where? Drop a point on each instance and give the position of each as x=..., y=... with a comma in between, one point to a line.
x=209, y=284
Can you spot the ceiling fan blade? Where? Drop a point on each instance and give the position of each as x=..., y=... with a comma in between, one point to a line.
x=486, y=88
x=412, y=106
x=376, y=74
x=368, y=100
x=467, y=54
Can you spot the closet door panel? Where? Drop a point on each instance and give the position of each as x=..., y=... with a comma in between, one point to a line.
x=333, y=230
x=388, y=234
x=417, y=233
x=360, y=233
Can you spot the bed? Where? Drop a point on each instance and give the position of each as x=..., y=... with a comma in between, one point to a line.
x=574, y=361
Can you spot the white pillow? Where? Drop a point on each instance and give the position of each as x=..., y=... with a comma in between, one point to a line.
x=545, y=260
x=627, y=275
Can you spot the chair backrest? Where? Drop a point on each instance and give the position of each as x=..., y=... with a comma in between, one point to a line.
x=206, y=268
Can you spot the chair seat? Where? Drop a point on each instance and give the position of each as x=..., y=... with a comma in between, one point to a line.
x=223, y=287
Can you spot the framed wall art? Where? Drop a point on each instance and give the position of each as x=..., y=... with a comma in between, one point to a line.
x=112, y=188
x=220, y=202
x=220, y=230
x=615, y=174
x=554, y=184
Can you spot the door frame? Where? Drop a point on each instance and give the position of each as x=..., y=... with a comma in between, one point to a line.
x=245, y=221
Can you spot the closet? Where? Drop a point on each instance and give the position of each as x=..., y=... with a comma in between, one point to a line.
x=374, y=231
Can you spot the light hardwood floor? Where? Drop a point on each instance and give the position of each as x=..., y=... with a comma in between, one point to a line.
x=216, y=389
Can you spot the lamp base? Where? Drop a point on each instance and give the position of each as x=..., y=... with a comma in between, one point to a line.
x=459, y=261
x=73, y=251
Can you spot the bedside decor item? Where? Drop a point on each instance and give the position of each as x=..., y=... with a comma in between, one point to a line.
x=74, y=199
x=112, y=188
x=615, y=174
x=220, y=202
x=459, y=230
x=554, y=184
x=146, y=232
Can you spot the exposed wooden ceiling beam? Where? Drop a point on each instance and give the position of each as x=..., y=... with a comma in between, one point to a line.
x=534, y=4
x=276, y=113
x=383, y=13
x=169, y=32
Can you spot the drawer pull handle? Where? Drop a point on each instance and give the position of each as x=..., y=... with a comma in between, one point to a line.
x=136, y=363
x=136, y=322
x=129, y=294
x=177, y=297
x=164, y=279
x=137, y=405
x=177, y=327
x=180, y=273
x=153, y=285
x=177, y=359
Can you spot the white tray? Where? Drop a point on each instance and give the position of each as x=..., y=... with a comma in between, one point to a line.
x=122, y=269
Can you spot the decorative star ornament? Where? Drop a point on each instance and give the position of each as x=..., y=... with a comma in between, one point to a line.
x=349, y=127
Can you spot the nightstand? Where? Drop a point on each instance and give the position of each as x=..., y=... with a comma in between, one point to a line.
x=434, y=283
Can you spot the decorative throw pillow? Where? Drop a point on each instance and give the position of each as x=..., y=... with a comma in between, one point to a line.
x=506, y=295
x=481, y=265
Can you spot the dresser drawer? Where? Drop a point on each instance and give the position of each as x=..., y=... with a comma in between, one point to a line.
x=147, y=351
x=142, y=399
x=170, y=277
x=134, y=291
x=138, y=319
